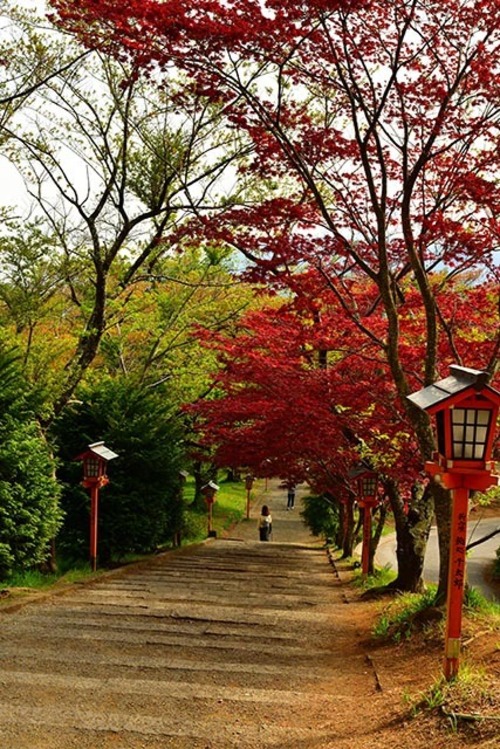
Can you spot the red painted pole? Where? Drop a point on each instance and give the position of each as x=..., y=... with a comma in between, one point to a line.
x=94, y=502
x=210, y=505
x=367, y=537
x=456, y=581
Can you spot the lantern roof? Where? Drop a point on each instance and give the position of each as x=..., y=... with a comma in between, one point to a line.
x=461, y=382
x=360, y=469
x=211, y=485
x=98, y=449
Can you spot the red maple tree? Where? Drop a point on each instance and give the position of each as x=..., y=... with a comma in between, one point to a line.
x=281, y=412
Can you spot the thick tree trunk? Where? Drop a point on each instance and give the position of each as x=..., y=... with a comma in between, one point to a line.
x=412, y=533
x=442, y=505
x=350, y=534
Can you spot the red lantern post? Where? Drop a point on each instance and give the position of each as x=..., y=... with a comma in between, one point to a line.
x=466, y=410
x=209, y=491
x=95, y=460
x=367, y=485
x=248, y=485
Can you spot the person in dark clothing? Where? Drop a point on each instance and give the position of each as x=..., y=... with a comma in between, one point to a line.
x=291, y=498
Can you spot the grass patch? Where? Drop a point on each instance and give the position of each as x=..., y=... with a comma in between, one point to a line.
x=229, y=508
x=380, y=577
x=476, y=603
x=412, y=612
x=30, y=579
x=404, y=615
x=20, y=584
x=471, y=696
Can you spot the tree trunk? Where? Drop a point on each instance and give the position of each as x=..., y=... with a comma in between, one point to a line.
x=442, y=505
x=348, y=545
x=412, y=533
x=198, y=483
x=341, y=528
x=376, y=535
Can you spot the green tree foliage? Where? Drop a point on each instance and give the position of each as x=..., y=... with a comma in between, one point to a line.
x=112, y=166
x=29, y=508
x=153, y=341
x=322, y=516
x=140, y=509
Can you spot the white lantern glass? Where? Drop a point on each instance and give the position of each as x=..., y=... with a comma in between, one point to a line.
x=369, y=486
x=470, y=428
x=92, y=467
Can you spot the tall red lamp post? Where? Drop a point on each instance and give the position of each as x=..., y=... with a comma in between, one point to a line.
x=95, y=460
x=248, y=485
x=367, y=486
x=466, y=411
x=209, y=491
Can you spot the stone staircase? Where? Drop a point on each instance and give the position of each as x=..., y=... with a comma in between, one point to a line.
x=233, y=643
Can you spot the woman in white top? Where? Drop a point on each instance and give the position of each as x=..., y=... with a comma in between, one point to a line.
x=265, y=524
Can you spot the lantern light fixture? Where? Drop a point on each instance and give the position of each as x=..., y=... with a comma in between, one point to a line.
x=466, y=410
x=95, y=460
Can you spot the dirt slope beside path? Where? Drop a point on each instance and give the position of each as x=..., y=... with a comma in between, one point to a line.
x=235, y=643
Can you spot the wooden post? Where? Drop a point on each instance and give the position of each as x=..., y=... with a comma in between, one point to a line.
x=456, y=581
x=94, y=505
x=210, y=504
x=367, y=538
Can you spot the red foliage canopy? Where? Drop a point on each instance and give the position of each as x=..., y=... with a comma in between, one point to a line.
x=281, y=414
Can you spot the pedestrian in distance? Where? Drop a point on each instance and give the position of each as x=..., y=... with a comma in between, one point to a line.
x=265, y=524
x=291, y=497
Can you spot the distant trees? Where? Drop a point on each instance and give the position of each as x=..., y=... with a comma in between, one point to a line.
x=281, y=413
x=93, y=292
x=113, y=165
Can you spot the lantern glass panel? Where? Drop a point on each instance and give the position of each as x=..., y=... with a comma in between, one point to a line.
x=92, y=467
x=369, y=486
x=470, y=428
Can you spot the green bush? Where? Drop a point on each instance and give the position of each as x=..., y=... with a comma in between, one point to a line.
x=321, y=516
x=30, y=514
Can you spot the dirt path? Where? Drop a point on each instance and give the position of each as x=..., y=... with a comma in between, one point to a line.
x=234, y=643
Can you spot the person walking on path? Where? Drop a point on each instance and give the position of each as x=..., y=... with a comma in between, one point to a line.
x=291, y=497
x=265, y=524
